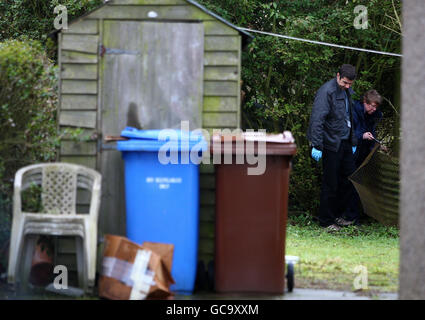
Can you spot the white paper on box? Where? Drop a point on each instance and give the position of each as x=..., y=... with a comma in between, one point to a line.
x=141, y=276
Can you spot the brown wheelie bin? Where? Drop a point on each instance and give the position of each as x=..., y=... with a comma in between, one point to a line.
x=251, y=214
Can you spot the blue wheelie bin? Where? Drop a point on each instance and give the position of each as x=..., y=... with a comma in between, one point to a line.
x=162, y=194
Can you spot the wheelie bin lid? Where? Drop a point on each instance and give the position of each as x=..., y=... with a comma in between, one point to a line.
x=282, y=144
x=153, y=140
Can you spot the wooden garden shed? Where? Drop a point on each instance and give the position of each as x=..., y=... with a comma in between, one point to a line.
x=147, y=64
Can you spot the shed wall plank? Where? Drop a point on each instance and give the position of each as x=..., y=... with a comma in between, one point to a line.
x=207, y=197
x=207, y=182
x=220, y=120
x=213, y=130
x=86, y=134
x=79, y=102
x=207, y=213
x=83, y=26
x=79, y=71
x=218, y=58
x=206, y=168
x=206, y=246
x=221, y=43
x=220, y=88
x=80, y=42
x=79, y=87
x=78, y=148
x=78, y=57
x=83, y=119
x=220, y=104
x=141, y=12
x=218, y=28
x=221, y=73
x=207, y=229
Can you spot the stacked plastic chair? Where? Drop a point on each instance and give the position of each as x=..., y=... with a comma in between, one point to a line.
x=58, y=217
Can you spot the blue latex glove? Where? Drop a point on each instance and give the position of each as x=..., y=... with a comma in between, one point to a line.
x=316, y=154
x=354, y=149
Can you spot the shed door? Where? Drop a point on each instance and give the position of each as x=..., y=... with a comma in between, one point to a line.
x=151, y=78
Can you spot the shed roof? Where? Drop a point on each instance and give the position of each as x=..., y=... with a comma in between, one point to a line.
x=246, y=36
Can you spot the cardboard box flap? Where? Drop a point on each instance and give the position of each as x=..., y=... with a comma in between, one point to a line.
x=165, y=251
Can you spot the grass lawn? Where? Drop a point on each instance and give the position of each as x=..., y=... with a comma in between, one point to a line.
x=328, y=260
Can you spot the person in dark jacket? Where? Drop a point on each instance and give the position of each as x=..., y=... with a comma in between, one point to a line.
x=332, y=137
x=365, y=118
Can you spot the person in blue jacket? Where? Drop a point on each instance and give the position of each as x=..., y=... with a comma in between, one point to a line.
x=366, y=116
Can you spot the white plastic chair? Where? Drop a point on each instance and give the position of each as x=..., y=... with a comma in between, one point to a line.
x=59, y=217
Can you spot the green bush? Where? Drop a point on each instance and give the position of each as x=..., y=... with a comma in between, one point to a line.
x=34, y=18
x=28, y=108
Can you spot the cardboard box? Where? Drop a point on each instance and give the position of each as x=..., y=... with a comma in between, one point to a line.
x=135, y=272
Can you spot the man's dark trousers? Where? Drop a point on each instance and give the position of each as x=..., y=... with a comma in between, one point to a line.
x=337, y=191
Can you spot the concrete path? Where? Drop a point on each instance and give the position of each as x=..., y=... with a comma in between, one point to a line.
x=310, y=294
x=297, y=294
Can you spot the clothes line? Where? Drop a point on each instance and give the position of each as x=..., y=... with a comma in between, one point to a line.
x=322, y=43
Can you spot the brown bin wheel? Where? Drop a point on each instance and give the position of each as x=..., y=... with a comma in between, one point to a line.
x=290, y=276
